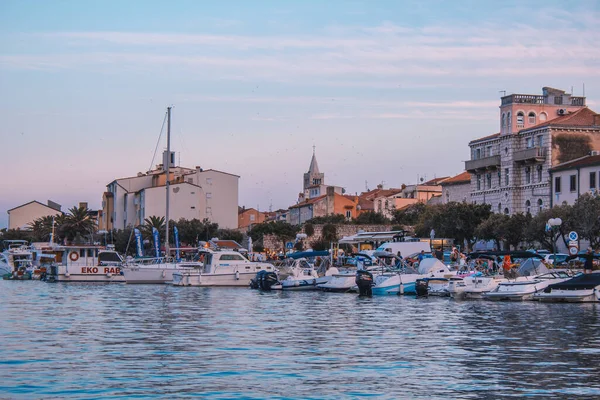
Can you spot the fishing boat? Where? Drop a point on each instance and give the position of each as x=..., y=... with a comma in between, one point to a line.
x=84, y=263
x=220, y=268
x=580, y=289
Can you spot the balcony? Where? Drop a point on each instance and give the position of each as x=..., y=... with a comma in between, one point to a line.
x=492, y=162
x=522, y=98
x=533, y=154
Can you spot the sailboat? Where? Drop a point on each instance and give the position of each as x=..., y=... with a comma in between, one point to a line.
x=158, y=270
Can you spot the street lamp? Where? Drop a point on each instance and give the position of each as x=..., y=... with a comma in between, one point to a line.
x=554, y=224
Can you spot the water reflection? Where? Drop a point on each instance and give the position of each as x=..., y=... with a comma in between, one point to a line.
x=79, y=340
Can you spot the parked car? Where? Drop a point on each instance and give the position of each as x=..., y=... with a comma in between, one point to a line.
x=560, y=258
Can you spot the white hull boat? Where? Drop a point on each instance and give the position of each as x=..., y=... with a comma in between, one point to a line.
x=303, y=276
x=85, y=264
x=525, y=289
x=404, y=283
x=156, y=273
x=220, y=268
x=340, y=283
x=580, y=289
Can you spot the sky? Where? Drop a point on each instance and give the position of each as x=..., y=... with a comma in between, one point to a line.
x=387, y=91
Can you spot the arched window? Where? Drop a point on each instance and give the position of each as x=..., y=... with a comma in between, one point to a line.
x=520, y=119
x=543, y=116
x=509, y=121
x=379, y=205
x=506, y=211
x=531, y=117
x=499, y=208
x=528, y=207
x=387, y=204
x=503, y=121
x=540, y=205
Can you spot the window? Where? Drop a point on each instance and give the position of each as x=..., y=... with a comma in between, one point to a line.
x=209, y=181
x=592, y=180
x=527, y=175
x=506, y=211
x=488, y=151
x=540, y=141
x=573, y=183
x=529, y=142
x=539, y=173
x=506, y=177
x=209, y=195
x=477, y=154
x=252, y=217
x=520, y=119
x=503, y=121
x=543, y=116
x=499, y=178
x=209, y=210
x=558, y=100
x=348, y=214
x=557, y=184
x=532, y=118
x=540, y=205
x=509, y=121
x=231, y=257
x=528, y=207
x=379, y=205
x=478, y=182
x=499, y=208
x=488, y=179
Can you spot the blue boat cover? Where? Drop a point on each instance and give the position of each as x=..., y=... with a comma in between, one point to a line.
x=307, y=254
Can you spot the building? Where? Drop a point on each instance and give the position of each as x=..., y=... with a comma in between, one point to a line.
x=195, y=193
x=574, y=178
x=22, y=216
x=314, y=182
x=510, y=169
x=250, y=216
x=277, y=215
x=457, y=188
x=331, y=203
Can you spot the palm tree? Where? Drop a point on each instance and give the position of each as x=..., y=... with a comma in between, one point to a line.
x=77, y=222
x=153, y=222
x=41, y=228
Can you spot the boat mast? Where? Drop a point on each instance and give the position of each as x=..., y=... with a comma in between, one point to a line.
x=167, y=172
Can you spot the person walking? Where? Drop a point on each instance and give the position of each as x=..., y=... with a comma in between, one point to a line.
x=588, y=257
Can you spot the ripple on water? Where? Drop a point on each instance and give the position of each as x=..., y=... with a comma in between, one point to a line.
x=89, y=341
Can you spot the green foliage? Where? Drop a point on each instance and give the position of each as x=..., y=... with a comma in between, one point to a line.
x=371, y=218
x=585, y=215
x=41, y=229
x=329, y=233
x=77, y=223
x=409, y=215
x=230, y=234
x=493, y=228
x=309, y=229
x=284, y=231
x=516, y=229
x=193, y=230
x=299, y=246
x=258, y=248
x=15, y=234
x=571, y=146
x=320, y=245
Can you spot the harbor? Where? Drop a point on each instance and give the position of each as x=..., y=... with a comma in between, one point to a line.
x=156, y=341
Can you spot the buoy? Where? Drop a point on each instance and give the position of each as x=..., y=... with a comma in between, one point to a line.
x=67, y=274
x=237, y=275
x=401, y=290
x=164, y=273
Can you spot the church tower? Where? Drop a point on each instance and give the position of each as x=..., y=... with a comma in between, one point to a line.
x=313, y=177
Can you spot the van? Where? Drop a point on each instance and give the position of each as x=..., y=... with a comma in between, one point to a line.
x=405, y=248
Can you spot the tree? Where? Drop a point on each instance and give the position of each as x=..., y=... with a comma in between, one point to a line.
x=329, y=233
x=319, y=245
x=284, y=231
x=493, y=228
x=536, y=232
x=516, y=227
x=585, y=215
x=338, y=219
x=309, y=229
x=77, y=223
x=409, y=215
x=371, y=218
x=230, y=234
x=41, y=228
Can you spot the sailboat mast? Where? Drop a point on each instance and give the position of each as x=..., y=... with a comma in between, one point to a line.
x=167, y=180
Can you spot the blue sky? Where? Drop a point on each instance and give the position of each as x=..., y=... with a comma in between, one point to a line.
x=386, y=90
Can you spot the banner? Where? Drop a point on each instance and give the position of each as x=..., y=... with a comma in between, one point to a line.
x=156, y=241
x=176, y=233
x=138, y=243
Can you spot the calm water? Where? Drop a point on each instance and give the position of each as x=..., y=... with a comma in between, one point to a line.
x=90, y=341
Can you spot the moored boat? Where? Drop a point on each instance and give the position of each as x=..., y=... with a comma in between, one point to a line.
x=580, y=289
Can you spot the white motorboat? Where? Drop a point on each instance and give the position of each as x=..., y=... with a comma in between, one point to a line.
x=526, y=288
x=220, y=268
x=16, y=261
x=84, y=263
x=303, y=276
x=344, y=282
x=582, y=288
x=403, y=282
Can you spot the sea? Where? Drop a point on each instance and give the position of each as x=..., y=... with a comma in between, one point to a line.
x=91, y=341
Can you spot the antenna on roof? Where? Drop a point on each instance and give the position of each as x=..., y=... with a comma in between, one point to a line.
x=366, y=186
x=503, y=92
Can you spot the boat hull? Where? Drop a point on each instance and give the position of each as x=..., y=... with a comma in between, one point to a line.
x=198, y=279
x=148, y=275
x=569, y=296
x=85, y=274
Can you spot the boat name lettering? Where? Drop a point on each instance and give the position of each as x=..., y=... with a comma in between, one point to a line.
x=94, y=270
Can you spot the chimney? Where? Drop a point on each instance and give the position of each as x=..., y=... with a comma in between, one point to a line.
x=330, y=200
x=380, y=186
x=54, y=205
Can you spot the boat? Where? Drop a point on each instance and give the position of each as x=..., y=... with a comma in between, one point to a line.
x=16, y=261
x=345, y=281
x=304, y=276
x=153, y=270
x=435, y=286
x=220, y=268
x=537, y=277
x=84, y=263
x=580, y=289
x=403, y=281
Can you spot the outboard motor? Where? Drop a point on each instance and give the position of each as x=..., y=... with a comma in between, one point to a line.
x=264, y=280
x=364, y=281
x=422, y=287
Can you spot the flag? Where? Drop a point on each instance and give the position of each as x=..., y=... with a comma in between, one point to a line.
x=138, y=243
x=156, y=237
x=176, y=233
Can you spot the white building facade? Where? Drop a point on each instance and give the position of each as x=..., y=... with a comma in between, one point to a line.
x=20, y=217
x=572, y=179
x=510, y=169
x=194, y=193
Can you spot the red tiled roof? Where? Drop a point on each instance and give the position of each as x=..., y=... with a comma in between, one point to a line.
x=495, y=135
x=581, y=117
x=435, y=181
x=366, y=205
x=587, y=161
x=463, y=177
x=387, y=192
x=308, y=201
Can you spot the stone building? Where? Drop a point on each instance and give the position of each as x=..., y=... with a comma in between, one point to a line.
x=510, y=169
x=457, y=188
x=314, y=182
